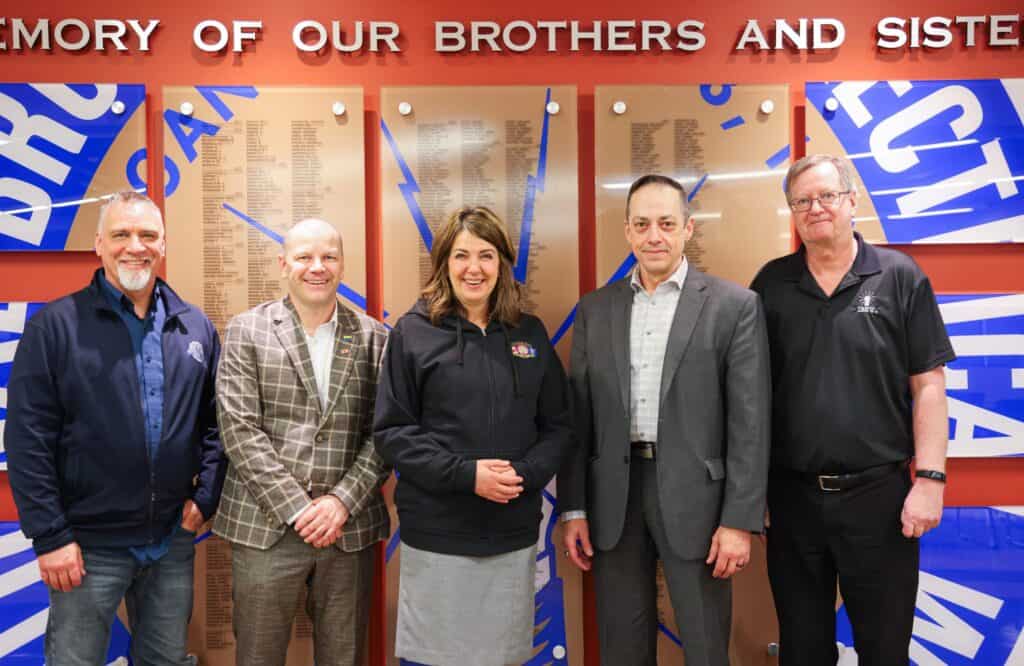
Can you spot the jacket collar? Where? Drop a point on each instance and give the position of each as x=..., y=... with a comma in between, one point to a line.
x=172, y=302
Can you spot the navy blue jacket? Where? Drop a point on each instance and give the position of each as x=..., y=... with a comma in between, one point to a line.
x=75, y=436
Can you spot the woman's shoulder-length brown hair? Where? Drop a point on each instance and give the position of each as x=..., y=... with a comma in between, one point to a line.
x=506, y=299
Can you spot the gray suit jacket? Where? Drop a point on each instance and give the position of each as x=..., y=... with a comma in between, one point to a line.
x=283, y=447
x=713, y=426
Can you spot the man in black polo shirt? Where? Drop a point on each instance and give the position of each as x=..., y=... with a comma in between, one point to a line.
x=857, y=349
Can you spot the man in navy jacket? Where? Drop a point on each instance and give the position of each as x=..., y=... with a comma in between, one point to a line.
x=114, y=455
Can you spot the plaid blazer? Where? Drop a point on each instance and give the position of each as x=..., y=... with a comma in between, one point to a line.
x=283, y=448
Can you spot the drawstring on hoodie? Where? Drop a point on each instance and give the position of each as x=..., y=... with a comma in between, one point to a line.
x=458, y=337
x=511, y=359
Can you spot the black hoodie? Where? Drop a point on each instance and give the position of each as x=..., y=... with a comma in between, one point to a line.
x=452, y=394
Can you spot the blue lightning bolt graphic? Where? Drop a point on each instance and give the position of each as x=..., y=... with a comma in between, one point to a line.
x=409, y=189
x=533, y=185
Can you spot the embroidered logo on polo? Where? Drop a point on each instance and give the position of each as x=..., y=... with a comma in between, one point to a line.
x=866, y=303
x=195, y=350
x=523, y=350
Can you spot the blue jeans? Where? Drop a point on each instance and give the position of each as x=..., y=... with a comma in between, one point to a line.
x=158, y=597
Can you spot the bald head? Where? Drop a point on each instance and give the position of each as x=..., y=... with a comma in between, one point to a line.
x=312, y=229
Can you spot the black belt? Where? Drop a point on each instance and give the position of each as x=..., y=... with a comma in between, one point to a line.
x=646, y=450
x=831, y=483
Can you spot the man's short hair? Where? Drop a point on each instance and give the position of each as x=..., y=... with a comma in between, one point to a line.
x=127, y=197
x=657, y=179
x=841, y=164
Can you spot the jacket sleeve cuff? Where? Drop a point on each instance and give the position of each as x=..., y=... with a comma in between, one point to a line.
x=43, y=545
x=465, y=477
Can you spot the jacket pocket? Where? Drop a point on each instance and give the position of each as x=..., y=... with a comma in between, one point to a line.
x=716, y=468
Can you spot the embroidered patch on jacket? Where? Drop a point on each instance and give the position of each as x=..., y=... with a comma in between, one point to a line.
x=523, y=350
x=867, y=303
x=195, y=350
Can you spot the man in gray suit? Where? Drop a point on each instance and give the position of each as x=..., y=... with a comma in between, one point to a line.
x=670, y=381
x=301, y=503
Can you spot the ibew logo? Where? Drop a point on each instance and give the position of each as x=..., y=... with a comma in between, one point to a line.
x=866, y=302
x=53, y=140
x=941, y=160
x=969, y=608
x=985, y=384
x=12, y=324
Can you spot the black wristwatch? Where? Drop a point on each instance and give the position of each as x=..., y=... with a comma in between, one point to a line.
x=930, y=474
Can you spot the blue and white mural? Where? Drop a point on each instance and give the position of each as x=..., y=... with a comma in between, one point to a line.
x=12, y=324
x=54, y=145
x=985, y=385
x=970, y=600
x=941, y=161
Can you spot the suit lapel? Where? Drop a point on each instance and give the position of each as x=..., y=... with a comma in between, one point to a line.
x=289, y=332
x=346, y=341
x=622, y=306
x=691, y=302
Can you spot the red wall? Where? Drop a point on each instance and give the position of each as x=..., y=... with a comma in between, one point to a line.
x=173, y=60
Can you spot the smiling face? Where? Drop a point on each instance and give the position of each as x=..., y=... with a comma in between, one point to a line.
x=130, y=244
x=473, y=268
x=312, y=263
x=822, y=225
x=657, y=230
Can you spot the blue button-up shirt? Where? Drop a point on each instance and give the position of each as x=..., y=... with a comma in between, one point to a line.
x=147, y=348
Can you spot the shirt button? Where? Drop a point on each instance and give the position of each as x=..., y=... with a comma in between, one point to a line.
x=643, y=400
x=319, y=438
x=647, y=333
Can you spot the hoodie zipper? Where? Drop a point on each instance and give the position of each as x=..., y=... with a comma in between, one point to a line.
x=490, y=395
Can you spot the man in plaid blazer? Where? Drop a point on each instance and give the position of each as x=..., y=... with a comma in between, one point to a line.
x=301, y=503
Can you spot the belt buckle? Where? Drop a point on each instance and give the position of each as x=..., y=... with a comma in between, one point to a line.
x=828, y=489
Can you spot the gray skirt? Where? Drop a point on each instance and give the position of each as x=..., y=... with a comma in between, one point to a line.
x=461, y=610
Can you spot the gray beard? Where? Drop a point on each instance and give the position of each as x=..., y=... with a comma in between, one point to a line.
x=133, y=280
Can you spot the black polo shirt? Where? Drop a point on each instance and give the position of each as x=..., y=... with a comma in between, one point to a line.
x=841, y=365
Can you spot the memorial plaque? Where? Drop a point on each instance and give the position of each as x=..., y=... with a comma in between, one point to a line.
x=63, y=147
x=985, y=384
x=728, y=145
x=244, y=164
x=513, y=149
x=935, y=161
x=247, y=164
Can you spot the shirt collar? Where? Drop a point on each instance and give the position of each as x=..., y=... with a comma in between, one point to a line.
x=865, y=263
x=118, y=299
x=328, y=327
x=677, y=278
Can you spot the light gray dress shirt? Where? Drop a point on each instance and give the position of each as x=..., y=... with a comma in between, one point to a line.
x=650, y=322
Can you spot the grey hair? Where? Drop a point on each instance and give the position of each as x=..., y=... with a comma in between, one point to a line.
x=126, y=197
x=841, y=164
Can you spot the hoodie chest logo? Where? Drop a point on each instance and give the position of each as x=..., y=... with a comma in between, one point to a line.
x=523, y=350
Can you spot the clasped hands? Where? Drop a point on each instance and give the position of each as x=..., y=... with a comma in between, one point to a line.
x=321, y=523
x=497, y=481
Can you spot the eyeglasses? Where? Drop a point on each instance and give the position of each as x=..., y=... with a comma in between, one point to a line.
x=826, y=199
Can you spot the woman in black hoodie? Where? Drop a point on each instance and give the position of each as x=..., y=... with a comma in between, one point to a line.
x=472, y=412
